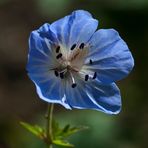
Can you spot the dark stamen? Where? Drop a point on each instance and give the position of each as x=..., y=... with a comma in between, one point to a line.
x=59, y=55
x=73, y=47
x=73, y=85
x=86, y=77
x=56, y=73
x=81, y=46
x=90, y=61
x=62, y=75
x=57, y=49
x=95, y=75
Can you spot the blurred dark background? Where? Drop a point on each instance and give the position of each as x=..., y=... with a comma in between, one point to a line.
x=19, y=101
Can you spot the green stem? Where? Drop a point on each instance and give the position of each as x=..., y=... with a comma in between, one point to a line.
x=49, y=124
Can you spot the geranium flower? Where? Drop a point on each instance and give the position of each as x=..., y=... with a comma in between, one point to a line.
x=74, y=65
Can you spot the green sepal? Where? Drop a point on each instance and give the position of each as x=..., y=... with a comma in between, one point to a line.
x=64, y=143
x=34, y=129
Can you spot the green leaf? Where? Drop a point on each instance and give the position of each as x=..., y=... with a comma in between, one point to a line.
x=55, y=126
x=66, y=128
x=34, y=129
x=66, y=131
x=62, y=143
x=70, y=131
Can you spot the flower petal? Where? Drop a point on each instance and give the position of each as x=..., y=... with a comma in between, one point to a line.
x=76, y=28
x=41, y=56
x=110, y=55
x=52, y=91
x=77, y=97
x=45, y=32
x=105, y=98
x=41, y=60
x=49, y=87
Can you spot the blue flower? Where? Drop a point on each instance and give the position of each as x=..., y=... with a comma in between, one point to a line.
x=76, y=66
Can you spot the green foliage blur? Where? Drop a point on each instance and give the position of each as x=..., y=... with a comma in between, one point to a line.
x=19, y=101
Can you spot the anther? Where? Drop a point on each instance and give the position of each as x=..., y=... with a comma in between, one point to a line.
x=57, y=49
x=95, y=75
x=90, y=61
x=59, y=55
x=73, y=85
x=56, y=73
x=73, y=47
x=81, y=46
x=62, y=75
x=73, y=81
x=86, y=77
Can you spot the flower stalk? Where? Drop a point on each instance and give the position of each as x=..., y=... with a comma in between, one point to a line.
x=49, y=117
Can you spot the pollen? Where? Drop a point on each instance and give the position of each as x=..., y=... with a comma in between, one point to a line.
x=59, y=55
x=73, y=85
x=86, y=77
x=95, y=75
x=90, y=61
x=81, y=45
x=62, y=75
x=57, y=49
x=73, y=47
x=56, y=73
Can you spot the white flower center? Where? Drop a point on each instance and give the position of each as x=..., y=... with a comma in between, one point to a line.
x=70, y=62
